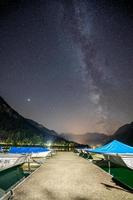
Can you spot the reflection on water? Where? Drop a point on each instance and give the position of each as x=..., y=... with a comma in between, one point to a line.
x=11, y=176
x=122, y=174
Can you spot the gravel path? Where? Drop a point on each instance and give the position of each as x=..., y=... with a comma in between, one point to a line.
x=69, y=177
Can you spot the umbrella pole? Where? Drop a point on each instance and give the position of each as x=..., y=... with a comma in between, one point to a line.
x=109, y=164
x=29, y=163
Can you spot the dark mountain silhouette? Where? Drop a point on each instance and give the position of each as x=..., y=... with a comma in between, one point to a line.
x=17, y=129
x=124, y=134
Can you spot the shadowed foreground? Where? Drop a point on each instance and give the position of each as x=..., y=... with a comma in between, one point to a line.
x=69, y=177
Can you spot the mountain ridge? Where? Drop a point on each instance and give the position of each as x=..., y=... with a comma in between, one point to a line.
x=14, y=127
x=124, y=134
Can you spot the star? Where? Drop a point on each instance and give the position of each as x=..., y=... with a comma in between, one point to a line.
x=28, y=99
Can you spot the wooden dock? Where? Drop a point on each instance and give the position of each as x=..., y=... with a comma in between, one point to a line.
x=69, y=177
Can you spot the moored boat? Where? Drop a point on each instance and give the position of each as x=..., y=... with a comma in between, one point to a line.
x=34, y=152
x=8, y=160
x=125, y=160
x=116, y=152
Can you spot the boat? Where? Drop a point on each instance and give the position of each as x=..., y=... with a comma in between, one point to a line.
x=78, y=151
x=8, y=160
x=36, y=156
x=82, y=152
x=95, y=156
x=21, y=155
x=125, y=160
x=116, y=152
x=34, y=152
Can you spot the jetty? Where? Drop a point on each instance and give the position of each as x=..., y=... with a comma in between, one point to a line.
x=66, y=176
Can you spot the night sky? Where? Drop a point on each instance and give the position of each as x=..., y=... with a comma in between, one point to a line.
x=68, y=64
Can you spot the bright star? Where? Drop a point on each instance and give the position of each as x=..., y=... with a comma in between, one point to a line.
x=28, y=99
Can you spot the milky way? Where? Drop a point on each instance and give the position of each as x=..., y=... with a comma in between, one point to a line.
x=99, y=74
x=72, y=59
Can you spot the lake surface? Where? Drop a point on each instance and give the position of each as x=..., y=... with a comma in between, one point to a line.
x=11, y=176
x=122, y=174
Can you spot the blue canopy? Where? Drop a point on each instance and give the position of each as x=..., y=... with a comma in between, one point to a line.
x=114, y=147
x=27, y=150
